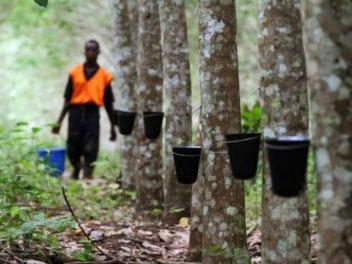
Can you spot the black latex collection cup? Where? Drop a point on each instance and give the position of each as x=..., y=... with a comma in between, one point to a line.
x=152, y=124
x=288, y=164
x=125, y=121
x=186, y=161
x=243, y=150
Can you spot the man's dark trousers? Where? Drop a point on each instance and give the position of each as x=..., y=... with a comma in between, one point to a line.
x=83, y=137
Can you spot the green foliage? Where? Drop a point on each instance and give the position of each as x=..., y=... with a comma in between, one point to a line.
x=26, y=191
x=39, y=31
x=101, y=201
x=251, y=118
x=34, y=45
x=176, y=210
x=108, y=166
x=31, y=208
x=251, y=123
x=156, y=212
x=42, y=2
x=86, y=253
x=253, y=192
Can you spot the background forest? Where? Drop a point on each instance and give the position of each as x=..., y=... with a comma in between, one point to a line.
x=38, y=46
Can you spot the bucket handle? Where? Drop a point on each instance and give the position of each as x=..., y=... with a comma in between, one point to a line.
x=186, y=155
x=56, y=140
x=242, y=140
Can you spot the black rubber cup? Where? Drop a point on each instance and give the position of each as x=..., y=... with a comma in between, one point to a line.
x=125, y=121
x=288, y=165
x=186, y=161
x=152, y=124
x=243, y=152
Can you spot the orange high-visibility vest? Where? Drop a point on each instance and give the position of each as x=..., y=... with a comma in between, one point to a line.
x=89, y=91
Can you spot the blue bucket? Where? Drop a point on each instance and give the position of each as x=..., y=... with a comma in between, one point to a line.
x=55, y=157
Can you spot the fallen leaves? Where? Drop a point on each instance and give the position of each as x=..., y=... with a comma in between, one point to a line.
x=254, y=242
x=156, y=244
x=136, y=242
x=133, y=243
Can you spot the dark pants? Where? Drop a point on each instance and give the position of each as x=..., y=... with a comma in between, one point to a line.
x=83, y=138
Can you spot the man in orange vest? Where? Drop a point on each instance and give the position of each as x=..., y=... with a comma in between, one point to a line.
x=87, y=89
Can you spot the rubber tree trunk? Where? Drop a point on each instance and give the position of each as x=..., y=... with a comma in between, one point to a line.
x=149, y=187
x=285, y=222
x=224, y=229
x=177, y=87
x=126, y=76
x=133, y=16
x=196, y=219
x=328, y=27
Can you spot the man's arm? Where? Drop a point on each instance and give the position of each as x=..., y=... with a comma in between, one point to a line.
x=108, y=102
x=65, y=108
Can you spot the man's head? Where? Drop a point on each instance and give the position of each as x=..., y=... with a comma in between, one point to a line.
x=91, y=50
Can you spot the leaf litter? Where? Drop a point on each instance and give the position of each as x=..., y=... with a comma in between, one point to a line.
x=138, y=242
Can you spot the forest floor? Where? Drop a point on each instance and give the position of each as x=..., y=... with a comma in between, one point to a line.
x=137, y=242
x=134, y=241
x=115, y=235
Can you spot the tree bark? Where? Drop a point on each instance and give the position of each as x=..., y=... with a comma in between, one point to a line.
x=284, y=92
x=149, y=187
x=126, y=75
x=177, y=87
x=133, y=16
x=196, y=219
x=328, y=43
x=224, y=230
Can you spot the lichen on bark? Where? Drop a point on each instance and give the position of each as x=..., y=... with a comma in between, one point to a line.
x=285, y=102
x=196, y=219
x=149, y=187
x=126, y=83
x=178, y=109
x=328, y=44
x=224, y=232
